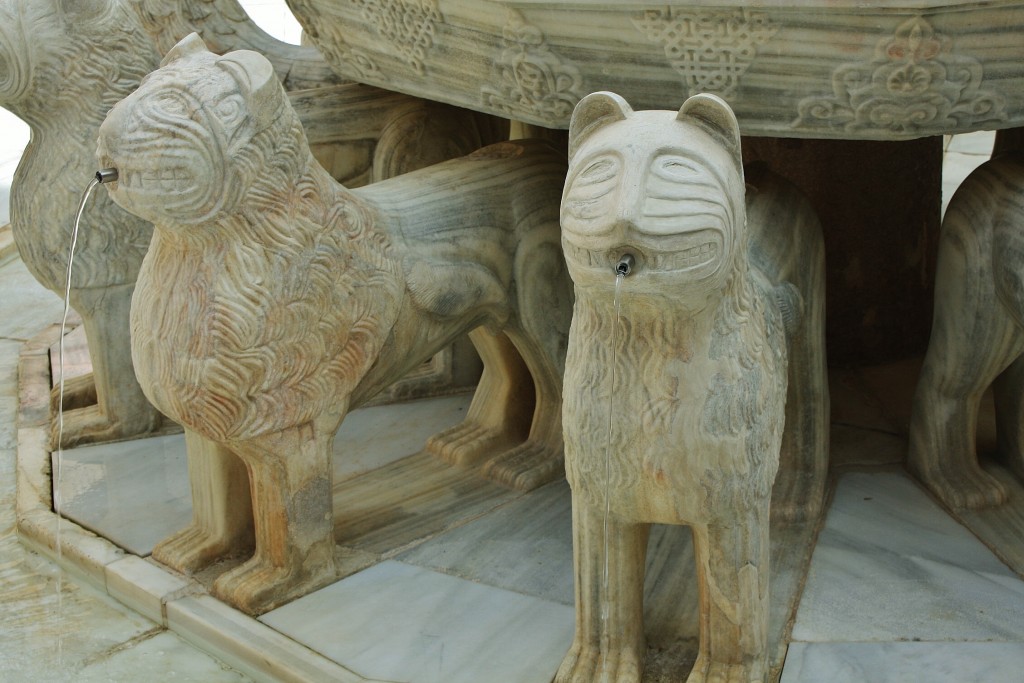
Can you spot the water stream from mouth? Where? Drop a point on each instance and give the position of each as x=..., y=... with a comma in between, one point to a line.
x=58, y=461
x=605, y=579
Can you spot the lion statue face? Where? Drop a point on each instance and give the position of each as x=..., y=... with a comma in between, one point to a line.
x=191, y=142
x=664, y=187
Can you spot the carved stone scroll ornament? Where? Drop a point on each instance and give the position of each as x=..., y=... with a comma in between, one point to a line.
x=914, y=83
x=977, y=338
x=531, y=78
x=675, y=393
x=273, y=300
x=710, y=49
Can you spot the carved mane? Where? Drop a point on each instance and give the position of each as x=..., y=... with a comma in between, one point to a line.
x=68, y=63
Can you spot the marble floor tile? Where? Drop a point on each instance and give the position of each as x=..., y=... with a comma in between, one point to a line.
x=890, y=565
x=524, y=546
x=132, y=492
x=396, y=622
x=52, y=626
x=904, y=663
x=166, y=653
x=28, y=307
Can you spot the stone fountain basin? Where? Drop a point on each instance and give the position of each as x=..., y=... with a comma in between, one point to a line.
x=850, y=69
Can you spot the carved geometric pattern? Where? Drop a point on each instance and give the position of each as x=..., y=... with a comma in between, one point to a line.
x=914, y=82
x=406, y=25
x=711, y=50
x=531, y=78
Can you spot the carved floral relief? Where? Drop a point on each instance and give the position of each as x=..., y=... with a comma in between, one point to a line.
x=711, y=50
x=914, y=83
x=531, y=78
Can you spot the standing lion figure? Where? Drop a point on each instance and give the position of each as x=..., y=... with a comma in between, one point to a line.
x=273, y=300
x=676, y=375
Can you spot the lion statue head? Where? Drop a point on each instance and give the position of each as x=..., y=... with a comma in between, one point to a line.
x=201, y=135
x=663, y=188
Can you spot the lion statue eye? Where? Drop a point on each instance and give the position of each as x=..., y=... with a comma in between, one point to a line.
x=229, y=110
x=172, y=103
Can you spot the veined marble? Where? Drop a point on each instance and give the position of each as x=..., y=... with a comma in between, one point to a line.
x=896, y=567
x=902, y=662
x=395, y=622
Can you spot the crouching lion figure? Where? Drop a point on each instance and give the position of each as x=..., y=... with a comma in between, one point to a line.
x=273, y=300
x=676, y=375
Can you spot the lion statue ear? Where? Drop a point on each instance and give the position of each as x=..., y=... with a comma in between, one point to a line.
x=189, y=45
x=595, y=111
x=711, y=113
x=257, y=81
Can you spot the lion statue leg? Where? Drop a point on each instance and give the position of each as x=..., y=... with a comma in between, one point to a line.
x=497, y=419
x=121, y=409
x=609, y=644
x=732, y=575
x=975, y=337
x=290, y=475
x=514, y=425
x=222, y=522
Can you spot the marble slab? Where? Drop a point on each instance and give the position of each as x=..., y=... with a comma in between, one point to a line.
x=891, y=565
x=26, y=303
x=902, y=662
x=136, y=492
x=396, y=622
x=526, y=546
x=132, y=492
x=165, y=654
x=50, y=623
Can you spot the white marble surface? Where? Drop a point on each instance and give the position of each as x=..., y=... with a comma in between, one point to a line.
x=132, y=492
x=524, y=546
x=136, y=492
x=890, y=565
x=166, y=653
x=396, y=622
x=904, y=663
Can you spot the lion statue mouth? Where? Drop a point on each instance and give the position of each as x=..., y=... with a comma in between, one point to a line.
x=678, y=255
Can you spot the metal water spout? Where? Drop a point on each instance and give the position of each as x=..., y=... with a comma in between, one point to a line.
x=625, y=265
x=106, y=175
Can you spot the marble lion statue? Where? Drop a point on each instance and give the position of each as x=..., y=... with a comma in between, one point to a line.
x=977, y=339
x=675, y=390
x=64, y=64
x=273, y=300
